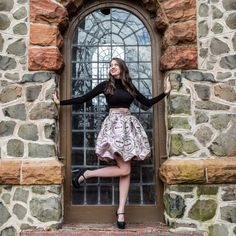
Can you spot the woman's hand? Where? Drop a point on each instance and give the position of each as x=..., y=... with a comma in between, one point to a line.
x=55, y=99
x=167, y=85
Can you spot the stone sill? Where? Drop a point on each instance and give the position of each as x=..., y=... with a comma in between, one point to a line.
x=213, y=171
x=31, y=172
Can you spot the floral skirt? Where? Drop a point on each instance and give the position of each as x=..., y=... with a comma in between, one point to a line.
x=121, y=133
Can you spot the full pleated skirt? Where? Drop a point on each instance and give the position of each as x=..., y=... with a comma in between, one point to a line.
x=121, y=133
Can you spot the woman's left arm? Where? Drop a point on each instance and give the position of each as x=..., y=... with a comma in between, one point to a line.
x=167, y=85
x=150, y=102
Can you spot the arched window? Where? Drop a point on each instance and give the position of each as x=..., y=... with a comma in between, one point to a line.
x=95, y=38
x=102, y=35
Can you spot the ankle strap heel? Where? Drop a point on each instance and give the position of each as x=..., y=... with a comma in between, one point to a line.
x=120, y=224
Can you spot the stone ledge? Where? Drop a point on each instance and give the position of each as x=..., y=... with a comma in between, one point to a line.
x=111, y=230
x=214, y=171
x=31, y=172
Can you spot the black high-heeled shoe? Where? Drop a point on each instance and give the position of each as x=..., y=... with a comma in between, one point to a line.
x=120, y=224
x=75, y=180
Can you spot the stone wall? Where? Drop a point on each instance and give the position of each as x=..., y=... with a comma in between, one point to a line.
x=201, y=112
x=202, y=129
x=210, y=207
x=30, y=207
x=29, y=197
x=27, y=127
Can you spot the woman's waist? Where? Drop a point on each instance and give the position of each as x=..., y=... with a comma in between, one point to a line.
x=120, y=109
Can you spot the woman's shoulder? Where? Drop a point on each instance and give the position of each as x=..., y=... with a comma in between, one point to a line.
x=100, y=87
x=103, y=84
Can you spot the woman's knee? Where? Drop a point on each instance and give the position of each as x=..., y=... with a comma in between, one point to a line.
x=124, y=166
x=126, y=170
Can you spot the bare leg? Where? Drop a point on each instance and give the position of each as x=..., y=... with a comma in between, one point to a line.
x=123, y=193
x=122, y=169
x=124, y=184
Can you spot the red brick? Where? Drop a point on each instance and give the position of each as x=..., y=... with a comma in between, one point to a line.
x=45, y=35
x=45, y=59
x=180, y=34
x=48, y=12
x=179, y=10
x=179, y=57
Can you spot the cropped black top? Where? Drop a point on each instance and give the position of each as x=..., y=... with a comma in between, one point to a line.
x=120, y=99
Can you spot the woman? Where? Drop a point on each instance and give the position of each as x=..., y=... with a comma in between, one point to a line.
x=121, y=138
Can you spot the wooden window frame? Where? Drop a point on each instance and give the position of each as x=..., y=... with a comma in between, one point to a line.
x=92, y=214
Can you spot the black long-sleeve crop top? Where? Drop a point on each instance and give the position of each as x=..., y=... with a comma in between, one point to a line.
x=120, y=99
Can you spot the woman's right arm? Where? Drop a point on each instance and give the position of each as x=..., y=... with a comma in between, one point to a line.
x=85, y=98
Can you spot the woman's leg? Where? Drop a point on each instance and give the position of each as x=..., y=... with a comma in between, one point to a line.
x=122, y=169
x=123, y=193
x=124, y=184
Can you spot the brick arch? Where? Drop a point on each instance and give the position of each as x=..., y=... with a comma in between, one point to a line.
x=175, y=21
x=73, y=5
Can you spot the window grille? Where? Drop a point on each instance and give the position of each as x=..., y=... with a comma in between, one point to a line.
x=100, y=36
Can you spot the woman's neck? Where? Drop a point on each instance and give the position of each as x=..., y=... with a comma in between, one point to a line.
x=117, y=77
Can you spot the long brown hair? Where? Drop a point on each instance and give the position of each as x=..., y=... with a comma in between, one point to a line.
x=124, y=77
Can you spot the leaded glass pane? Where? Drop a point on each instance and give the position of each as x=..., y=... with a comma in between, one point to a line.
x=134, y=194
x=133, y=69
x=106, y=194
x=144, y=53
x=131, y=53
x=101, y=35
x=77, y=157
x=148, y=194
x=120, y=15
x=92, y=194
x=143, y=36
x=90, y=160
x=131, y=39
x=145, y=70
x=144, y=88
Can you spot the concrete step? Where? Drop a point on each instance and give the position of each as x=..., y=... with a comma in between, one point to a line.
x=111, y=229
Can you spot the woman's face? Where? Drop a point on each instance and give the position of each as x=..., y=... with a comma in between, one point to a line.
x=114, y=69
